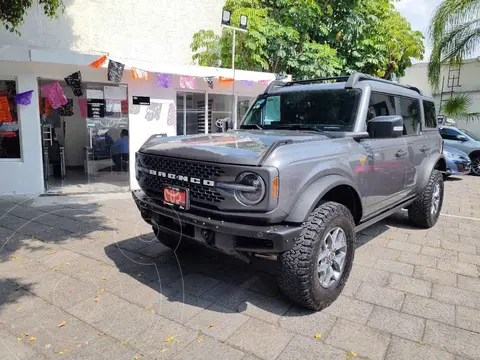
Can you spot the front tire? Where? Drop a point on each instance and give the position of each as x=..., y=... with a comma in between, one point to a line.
x=425, y=211
x=475, y=167
x=314, y=272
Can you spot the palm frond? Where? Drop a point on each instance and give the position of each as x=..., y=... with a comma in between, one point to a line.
x=457, y=107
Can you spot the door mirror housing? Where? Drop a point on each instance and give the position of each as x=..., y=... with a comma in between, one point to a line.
x=385, y=127
x=461, y=138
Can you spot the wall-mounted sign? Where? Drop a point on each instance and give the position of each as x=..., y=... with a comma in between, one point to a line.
x=96, y=108
x=141, y=100
x=94, y=94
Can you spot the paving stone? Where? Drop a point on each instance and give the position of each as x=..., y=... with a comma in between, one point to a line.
x=404, y=246
x=469, y=283
x=363, y=258
x=411, y=285
x=310, y=349
x=263, y=307
x=372, y=276
x=423, y=240
x=459, y=246
x=457, y=341
x=195, y=284
x=429, y=308
x=351, y=287
x=306, y=322
x=266, y=341
x=418, y=259
x=360, y=339
x=226, y=295
x=401, y=349
x=439, y=253
x=382, y=253
x=350, y=309
x=224, y=321
x=381, y=296
x=397, y=323
x=435, y=276
x=467, y=318
x=263, y=284
x=395, y=267
x=206, y=348
x=469, y=258
x=458, y=267
x=11, y=348
x=456, y=296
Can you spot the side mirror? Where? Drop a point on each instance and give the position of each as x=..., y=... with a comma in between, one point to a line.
x=385, y=126
x=461, y=138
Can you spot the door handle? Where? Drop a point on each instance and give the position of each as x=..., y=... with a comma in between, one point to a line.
x=401, y=153
x=424, y=148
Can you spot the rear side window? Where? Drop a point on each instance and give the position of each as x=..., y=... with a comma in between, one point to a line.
x=409, y=109
x=430, y=116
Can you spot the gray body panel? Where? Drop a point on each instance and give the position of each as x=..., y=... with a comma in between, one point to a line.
x=310, y=164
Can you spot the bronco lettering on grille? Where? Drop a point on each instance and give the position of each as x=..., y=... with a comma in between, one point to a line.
x=183, y=178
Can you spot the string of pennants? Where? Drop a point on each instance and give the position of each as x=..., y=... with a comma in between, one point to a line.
x=54, y=96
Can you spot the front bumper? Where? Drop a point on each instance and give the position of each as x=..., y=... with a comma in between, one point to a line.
x=225, y=236
x=457, y=166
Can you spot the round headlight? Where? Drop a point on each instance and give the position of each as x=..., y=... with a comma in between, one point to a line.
x=254, y=191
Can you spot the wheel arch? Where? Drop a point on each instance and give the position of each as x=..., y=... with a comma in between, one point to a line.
x=474, y=154
x=329, y=188
x=433, y=163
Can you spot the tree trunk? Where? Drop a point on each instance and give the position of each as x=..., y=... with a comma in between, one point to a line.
x=389, y=72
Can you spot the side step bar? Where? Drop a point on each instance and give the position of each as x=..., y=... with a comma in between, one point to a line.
x=383, y=215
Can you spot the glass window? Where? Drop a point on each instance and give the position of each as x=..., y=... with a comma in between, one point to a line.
x=449, y=133
x=329, y=110
x=430, y=117
x=380, y=105
x=9, y=126
x=473, y=135
x=409, y=109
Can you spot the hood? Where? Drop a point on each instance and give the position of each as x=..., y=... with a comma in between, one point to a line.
x=454, y=151
x=233, y=147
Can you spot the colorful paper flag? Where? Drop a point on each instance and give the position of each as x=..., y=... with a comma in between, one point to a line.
x=164, y=80
x=115, y=71
x=225, y=80
x=5, y=114
x=138, y=74
x=209, y=80
x=54, y=94
x=187, y=82
x=75, y=82
x=99, y=62
x=172, y=115
x=67, y=109
x=264, y=82
x=247, y=82
x=24, y=98
x=82, y=104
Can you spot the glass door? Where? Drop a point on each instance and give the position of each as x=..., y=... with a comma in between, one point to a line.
x=190, y=113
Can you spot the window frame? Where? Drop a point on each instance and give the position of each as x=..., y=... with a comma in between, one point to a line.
x=19, y=122
x=453, y=130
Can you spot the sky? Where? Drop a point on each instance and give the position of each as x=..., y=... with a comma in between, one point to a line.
x=419, y=13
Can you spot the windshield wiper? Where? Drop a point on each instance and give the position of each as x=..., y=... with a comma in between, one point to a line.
x=297, y=127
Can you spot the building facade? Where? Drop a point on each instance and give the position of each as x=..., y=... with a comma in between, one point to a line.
x=81, y=146
x=462, y=79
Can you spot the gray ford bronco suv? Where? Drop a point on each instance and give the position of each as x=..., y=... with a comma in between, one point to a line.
x=312, y=163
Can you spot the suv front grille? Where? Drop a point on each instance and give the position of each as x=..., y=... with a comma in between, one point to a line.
x=199, y=194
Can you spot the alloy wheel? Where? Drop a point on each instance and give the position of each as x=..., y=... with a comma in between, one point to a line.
x=435, y=199
x=331, y=259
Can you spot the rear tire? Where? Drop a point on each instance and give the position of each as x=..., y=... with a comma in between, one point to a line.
x=425, y=211
x=301, y=275
x=475, y=167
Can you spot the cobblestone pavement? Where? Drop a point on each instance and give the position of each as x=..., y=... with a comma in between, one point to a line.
x=83, y=278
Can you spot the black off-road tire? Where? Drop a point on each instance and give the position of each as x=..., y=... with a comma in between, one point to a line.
x=419, y=213
x=297, y=276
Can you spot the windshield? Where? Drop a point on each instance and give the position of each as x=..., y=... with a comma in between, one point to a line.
x=327, y=110
x=473, y=135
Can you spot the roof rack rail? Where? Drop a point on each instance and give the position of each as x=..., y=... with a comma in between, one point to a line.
x=275, y=84
x=355, y=77
x=281, y=83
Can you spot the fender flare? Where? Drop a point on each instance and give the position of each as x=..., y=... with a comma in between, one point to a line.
x=427, y=169
x=309, y=199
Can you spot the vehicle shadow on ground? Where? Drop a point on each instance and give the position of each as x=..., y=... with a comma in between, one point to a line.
x=201, y=273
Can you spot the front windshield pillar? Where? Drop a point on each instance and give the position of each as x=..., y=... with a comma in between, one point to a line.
x=360, y=121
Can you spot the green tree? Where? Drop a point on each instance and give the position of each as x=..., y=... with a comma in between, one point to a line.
x=311, y=38
x=454, y=33
x=12, y=12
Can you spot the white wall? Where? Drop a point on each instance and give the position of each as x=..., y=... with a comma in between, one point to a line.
x=25, y=175
x=159, y=30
